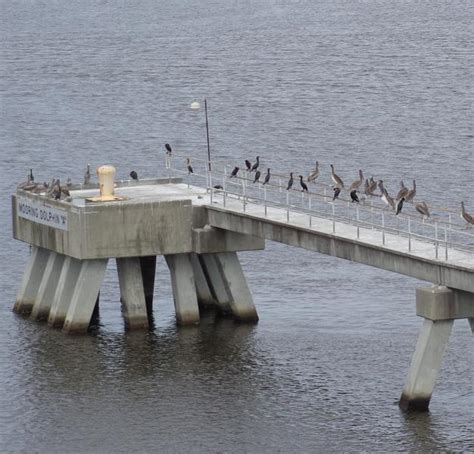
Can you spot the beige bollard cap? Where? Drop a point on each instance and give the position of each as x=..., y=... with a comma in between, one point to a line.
x=106, y=174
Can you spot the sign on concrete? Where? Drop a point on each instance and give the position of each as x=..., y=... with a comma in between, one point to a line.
x=41, y=213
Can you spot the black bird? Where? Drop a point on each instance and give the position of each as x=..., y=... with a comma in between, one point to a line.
x=337, y=191
x=218, y=186
x=303, y=184
x=168, y=149
x=267, y=177
x=290, y=182
x=248, y=164
x=255, y=166
x=31, y=178
x=134, y=175
x=399, y=205
x=354, y=197
x=188, y=164
x=234, y=172
x=257, y=176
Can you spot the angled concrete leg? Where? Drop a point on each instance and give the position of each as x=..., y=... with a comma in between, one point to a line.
x=132, y=293
x=241, y=301
x=47, y=289
x=84, y=296
x=204, y=294
x=64, y=290
x=471, y=322
x=148, y=268
x=184, y=288
x=31, y=280
x=216, y=283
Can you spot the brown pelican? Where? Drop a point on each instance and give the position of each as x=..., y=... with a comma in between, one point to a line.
x=87, y=175
x=303, y=184
x=411, y=193
x=403, y=191
x=255, y=166
x=423, y=209
x=336, y=179
x=257, y=176
x=267, y=176
x=399, y=205
x=469, y=218
x=290, y=182
x=234, y=172
x=189, y=166
x=357, y=183
x=56, y=190
x=385, y=196
x=314, y=173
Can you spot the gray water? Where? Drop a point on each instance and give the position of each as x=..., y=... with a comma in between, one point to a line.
x=381, y=85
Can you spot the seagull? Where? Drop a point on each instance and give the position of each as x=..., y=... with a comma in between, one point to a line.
x=255, y=166
x=385, y=196
x=267, y=176
x=134, y=175
x=399, y=205
x=314, y=173
x=423, y=209
x=336, y=179
x=354, y=197
x=87, y=175
x=257, y=176
x=234, y=172
x=304, y=186
x=337, y=191
x=357, y=183
x=403, y=191
x=469, y=218
x=411, y=193
x=168, y=149
x=248, y=164
x=188, y=164
x=290, y=182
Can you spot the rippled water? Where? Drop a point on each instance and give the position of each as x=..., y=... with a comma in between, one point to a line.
x=381, y=85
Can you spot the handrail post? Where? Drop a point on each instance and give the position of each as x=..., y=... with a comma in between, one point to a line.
x=288, y=206
x=383, y=228
x=409, y=234
x=244, y=193
x=265, y=199
x=224, y=184
x=279, y=184
x=436, y=239
x=358, y=220
x=333, y=217
x=446, y=242
x=309, y=208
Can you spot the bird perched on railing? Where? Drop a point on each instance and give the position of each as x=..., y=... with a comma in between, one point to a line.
x=403, y=191
x=411, y=193
x=466, y=216
x=399, y=205
x=336, y=179
x=189, y=166
x=354, y=197
x=30, y=176
x=385, y=196
x=234, y=172
x=248, y=164
x=267, y=177
x=134, y=175
x=313, y=176
x=423, y=209
x=357, y=183
x=257, y=176
x=87, y=174
x=169, y=150
x=255, y=166
x=304, y=186
x=337, y=191
x=290, y=182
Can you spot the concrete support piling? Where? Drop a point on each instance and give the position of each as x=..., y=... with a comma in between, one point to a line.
x=31, y=281
x=203, y=291
x=148, y=269
x=47, y=289
x=84, y=297
x=471, y=323
x=132, y=293
x=184, y=289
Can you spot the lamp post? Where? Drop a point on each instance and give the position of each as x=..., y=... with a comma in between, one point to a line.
x=196, y=106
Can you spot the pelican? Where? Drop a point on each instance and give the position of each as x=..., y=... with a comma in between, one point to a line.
x=303, y=184
x=234, y=172
x=314, y=173
x=403, y=191
x=267, y=176
x=188, y=165
x=290, y=182
x=357, y=183
x=469, y=218
x=56, y=193
x=134, y=175
x=87, y=175
x=255, y=166
x=336, y=179
x=423, y=209
x=385, y=196
x=399, y=205
x=257, y=176
x=411, y=193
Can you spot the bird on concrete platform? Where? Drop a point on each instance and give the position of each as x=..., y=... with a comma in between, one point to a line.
x=255, y=166
x=399, y=206
x=30, y=176
x=218, y=186
x=304, y=186
x=290, y=182
x=386, y=198
x=313, y=176
x=337, y=191
x=267, y=177
x=403, y=191
x=56, y=192
x=411, y=193
x=134, y=175
x=257, y=176
x=189, y=166
x=87, y=174
x=423, y=209
x=357, y=183
x=234, y=172
x=354, y=197
x=169, y=150
x=248, y=164
x=469, y=218
x=336, y=179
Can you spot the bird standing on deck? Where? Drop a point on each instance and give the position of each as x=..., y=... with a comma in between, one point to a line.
x=56, y=193
x=257, y=176
x=403, y=191
x=255, y=166
x=189, y=166
x=87, y=174
x=466, y=216
x=31, y=178
x=304, y=186
x=411, y=193
x=234, y=172
x=337, y=191
x=314, y=173
x=290, y=182
x=336, y=179
x=357, y=183
x=168, y=149
x=399, y=206
x=423, y=209
x=134, y=175
x=354, y=197
x=248, y=164
x=267, y=177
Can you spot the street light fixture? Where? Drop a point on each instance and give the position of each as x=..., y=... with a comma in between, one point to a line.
x=196, y=106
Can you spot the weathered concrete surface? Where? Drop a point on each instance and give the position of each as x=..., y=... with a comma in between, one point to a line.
x=47, y=288
x=441, y=303
x=84, y=296
x=425, y=364
x=132, y=293
x=184, y=289
x=438, y=272
x=471, y=323
x=203, y=291
x=148, y=269
x=31, y=280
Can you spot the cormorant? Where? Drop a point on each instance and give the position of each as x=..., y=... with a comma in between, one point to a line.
x=87, y=175
x=234, y=172
x=354, y=197
x=304, y=186
x=255, y=166
x=257, y=176
x=168, y=149
x=31, y=178
x=190, y=168
x=337, y=191
x=267, y=176
x=248, y=164
x=399, y=205
x=290, y=182
x=134, y=175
